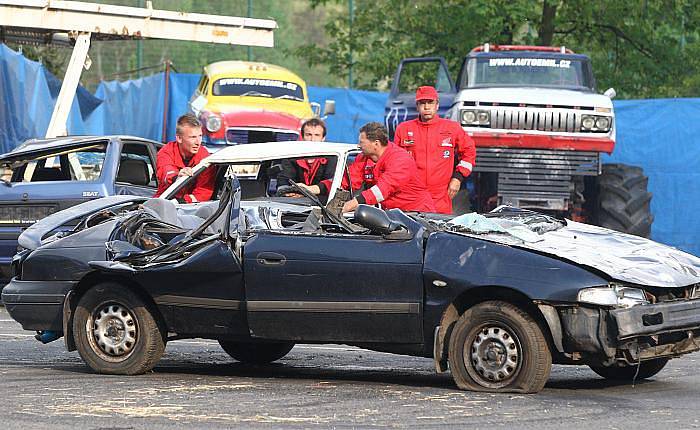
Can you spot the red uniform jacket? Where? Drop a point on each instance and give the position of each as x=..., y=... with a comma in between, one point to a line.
x=168, y=164
x=397, y=183
x=433, y=145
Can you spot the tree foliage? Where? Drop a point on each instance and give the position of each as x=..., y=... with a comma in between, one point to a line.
x=643, y=48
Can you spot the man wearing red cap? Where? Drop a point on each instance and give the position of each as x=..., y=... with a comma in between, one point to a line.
x=433, y=142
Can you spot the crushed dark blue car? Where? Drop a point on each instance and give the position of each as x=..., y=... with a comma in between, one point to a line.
x=495, y=299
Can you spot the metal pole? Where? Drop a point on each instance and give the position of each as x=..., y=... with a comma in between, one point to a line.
x=139, y=49
x=250, y=15
x=351, y=10
x=164, y=135
x=78, y=60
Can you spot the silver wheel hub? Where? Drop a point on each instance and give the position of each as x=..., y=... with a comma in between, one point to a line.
x=115, y=330
x=494, y=354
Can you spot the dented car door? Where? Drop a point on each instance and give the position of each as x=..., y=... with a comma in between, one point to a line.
x=334, y=287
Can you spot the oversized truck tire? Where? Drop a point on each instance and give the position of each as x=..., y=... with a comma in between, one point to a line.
x=623, y=202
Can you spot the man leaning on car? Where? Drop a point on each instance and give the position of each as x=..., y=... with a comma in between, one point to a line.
x=177, y=158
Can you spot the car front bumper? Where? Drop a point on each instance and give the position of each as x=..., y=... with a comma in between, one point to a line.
x=642, y=332
x=37, y=305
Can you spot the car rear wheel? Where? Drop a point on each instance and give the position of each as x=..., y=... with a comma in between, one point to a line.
x=647, y=369
x=496, y=347
x=256, y=352
x=115, y=332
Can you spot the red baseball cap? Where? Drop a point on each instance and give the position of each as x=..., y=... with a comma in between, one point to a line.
x=426, y=93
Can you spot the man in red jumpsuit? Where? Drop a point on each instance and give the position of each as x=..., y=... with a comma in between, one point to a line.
x=177, y=159
x=309, y=171
x=397, y=183
x=434, y=142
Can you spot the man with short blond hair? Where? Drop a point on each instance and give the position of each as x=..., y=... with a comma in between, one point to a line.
x=177, y=158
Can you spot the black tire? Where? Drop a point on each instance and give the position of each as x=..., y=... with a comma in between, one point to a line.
x=256, y=352
x=479, y=342
x=623, y=202
x=647, y=369
x=115, y=332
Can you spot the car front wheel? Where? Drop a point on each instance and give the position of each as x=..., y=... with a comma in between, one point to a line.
x=643, y=370
x=256, y=352
x=115, y=332
x=496, y=347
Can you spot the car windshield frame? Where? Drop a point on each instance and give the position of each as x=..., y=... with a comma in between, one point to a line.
x=279, y=89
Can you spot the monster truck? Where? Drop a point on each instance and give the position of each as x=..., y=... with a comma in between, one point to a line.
x=539, y=126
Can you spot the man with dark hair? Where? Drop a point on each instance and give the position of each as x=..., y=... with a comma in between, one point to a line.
x=177, y=158
x=396, y=180
x=309, y=171
x=443, y=152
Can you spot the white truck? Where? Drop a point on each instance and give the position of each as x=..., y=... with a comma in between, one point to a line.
x=539, y=126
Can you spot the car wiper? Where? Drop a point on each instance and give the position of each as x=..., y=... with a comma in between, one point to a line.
x=288, y=97
x=255, y=94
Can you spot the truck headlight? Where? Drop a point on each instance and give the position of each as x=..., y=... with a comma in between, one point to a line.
x=602, y=123
x=613, y=295
x=213, y=123
x=484, y=117
x=468, y=116
x=587, y=122
x=475, y=117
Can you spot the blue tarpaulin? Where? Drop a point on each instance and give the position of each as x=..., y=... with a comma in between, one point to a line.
x=662, y=136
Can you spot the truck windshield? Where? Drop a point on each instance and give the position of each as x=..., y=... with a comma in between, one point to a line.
x=527, y=70
x=253, y=87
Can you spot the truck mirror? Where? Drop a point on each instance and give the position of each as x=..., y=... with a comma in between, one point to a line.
x=329, y=108
x=316, y=109
x=610, y=93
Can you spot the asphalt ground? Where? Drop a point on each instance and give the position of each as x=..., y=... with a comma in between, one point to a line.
x=196, y=385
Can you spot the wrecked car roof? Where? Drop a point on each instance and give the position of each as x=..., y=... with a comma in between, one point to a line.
x=36, y=148
x=620, y=256
x=266, y=151
x=274, y=150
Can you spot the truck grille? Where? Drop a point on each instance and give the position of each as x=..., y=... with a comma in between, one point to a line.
x=239, y=136
x=24, y=214
x=557, y=120
x=536, y=178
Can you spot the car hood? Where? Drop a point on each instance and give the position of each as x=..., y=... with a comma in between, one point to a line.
x=620, y=256
x=298, y=109
x=262, y=118
x=31, y=237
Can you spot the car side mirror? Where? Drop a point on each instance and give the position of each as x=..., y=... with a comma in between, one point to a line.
x=610, y=93
x=376, y=220
x=329, y=108
x=315, y=109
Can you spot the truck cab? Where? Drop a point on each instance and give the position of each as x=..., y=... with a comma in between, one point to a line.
x=539, y=126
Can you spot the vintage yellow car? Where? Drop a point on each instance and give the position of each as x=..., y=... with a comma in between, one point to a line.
x=247, y=102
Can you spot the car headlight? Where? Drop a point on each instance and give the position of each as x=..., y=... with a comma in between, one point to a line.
x=613, y=295
x=475, y=117
x=213, y=123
